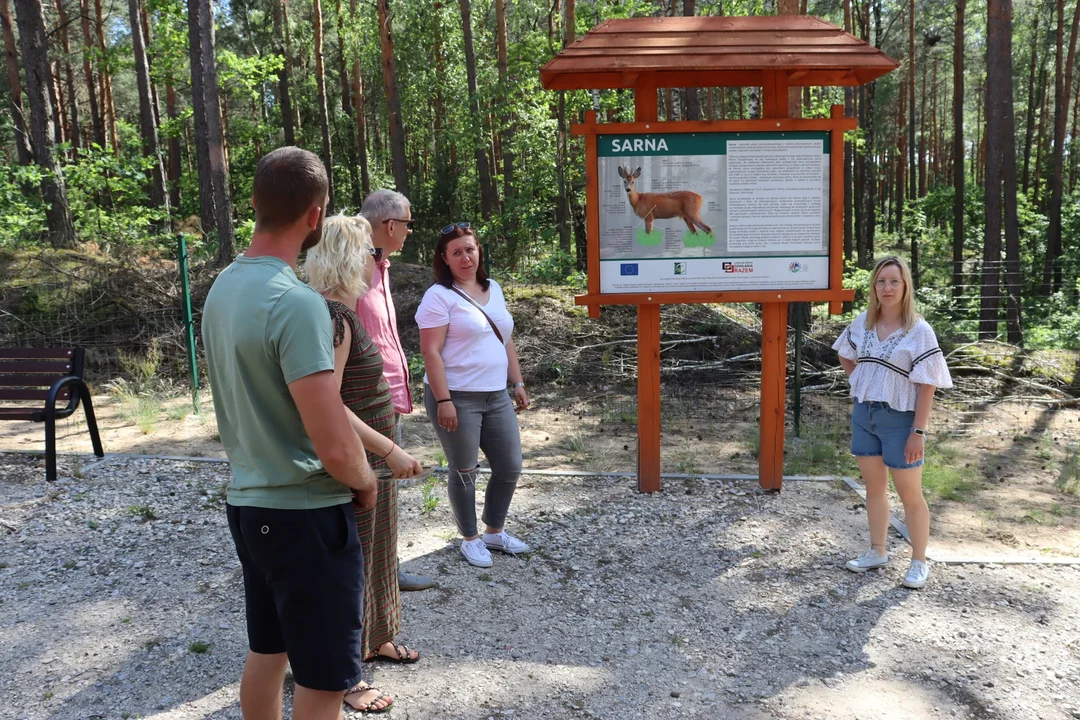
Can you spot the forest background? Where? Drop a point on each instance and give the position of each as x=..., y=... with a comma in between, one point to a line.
x=126, y=122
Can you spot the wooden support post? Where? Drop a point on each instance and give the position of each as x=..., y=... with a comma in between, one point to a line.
x=836, y=216
x=773, y=337
x=648, y=469
x=773, y=392
x=648, y=398
x=592, y=216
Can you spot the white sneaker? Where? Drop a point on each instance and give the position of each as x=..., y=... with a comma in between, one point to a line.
x=868, y=561
x=505, y=542
x=476, y=553
x=917, y=575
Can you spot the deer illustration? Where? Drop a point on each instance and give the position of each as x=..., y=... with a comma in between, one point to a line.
x=652, y=205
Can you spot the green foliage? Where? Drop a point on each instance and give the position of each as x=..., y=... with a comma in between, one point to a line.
x=429, y=496
x=108, y=198
x=22, y=219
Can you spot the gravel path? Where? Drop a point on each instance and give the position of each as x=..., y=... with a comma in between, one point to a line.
x=120, y=597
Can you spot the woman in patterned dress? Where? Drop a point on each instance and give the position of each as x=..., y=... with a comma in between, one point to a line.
x=340, y=268
x=894, y=364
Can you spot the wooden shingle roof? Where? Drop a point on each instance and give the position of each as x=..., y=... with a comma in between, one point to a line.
x=714, y=52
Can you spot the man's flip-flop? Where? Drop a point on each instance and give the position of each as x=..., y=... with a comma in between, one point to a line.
x=372, y=707
x=404, y=655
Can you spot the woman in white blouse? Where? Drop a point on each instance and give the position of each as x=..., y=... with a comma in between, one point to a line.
x=894, y=364
x=469, y=359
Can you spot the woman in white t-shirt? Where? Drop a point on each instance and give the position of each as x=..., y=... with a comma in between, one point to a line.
x=894, y=364
x=469, y=358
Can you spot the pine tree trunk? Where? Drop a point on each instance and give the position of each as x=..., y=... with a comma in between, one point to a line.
x=923, y=133
x=175, y=168
x=849, y=111
x=56, y=101
x=998, y=63
x=69, y=77
x=902, y=143
x=277, y=9
x=913, y=188
x=35, y=55
x=107, y=104
x=155, y=102
x=23, y=148
x=563, y=214
x=147, y=121
x=213, y=171
x=96, y=120
x=507, y=135
x=324, y=114
x=487, y=192
x=691, y=103
x=1074, y=153
x=393, y=100
x=359, y=111
x=958, y=151
x=1040, y=142
x=346, y=107
x=1006, y=148
x=1030, y=124
x=1052, y=276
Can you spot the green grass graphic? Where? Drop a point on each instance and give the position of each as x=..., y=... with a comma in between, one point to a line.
x=699, y=239
x=649, y=239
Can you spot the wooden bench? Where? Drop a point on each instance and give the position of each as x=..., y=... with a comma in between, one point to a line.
x=52, y=375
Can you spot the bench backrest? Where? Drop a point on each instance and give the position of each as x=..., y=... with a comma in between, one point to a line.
x=28, y=373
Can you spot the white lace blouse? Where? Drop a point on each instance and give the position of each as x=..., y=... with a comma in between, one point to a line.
x=891, y=370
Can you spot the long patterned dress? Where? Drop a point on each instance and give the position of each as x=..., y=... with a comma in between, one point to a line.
x=365, y=392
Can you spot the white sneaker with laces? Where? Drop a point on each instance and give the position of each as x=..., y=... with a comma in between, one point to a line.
x=917, y=575
x=476, y=553
x=868, y=561
x=505, y=542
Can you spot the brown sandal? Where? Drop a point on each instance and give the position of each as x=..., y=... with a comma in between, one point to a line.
x=404, y=654
x=372, y=707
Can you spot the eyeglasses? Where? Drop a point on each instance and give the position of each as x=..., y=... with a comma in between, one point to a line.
x=408, y=223
x=450, y=228
x=376, y=253
x=892, y=284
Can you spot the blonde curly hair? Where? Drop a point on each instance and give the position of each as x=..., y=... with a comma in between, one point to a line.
x=336, y=265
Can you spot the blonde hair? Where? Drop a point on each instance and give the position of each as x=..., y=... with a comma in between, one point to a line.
x=907, y=303
x=337, y=263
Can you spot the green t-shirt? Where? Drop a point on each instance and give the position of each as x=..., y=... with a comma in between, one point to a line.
x=263, y=329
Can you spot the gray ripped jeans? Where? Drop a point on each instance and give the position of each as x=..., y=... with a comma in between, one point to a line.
x=486, y=421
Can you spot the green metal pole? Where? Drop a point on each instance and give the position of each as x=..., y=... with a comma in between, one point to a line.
x=797, y=411
x=189, y=324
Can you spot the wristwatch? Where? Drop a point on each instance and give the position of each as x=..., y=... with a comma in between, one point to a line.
x=919, y=431
x=518, y=384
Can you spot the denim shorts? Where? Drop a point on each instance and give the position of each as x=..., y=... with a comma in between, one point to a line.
x=879, y=431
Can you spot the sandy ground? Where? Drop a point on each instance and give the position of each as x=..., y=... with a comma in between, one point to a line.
x=122, y=598
x=1019, y=512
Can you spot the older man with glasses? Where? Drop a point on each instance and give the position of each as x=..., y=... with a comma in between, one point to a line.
x=390, y=215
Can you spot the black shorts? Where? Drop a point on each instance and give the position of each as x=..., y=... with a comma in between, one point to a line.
x=303, y=589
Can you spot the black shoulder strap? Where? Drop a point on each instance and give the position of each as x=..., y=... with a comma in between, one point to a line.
x=481, y=309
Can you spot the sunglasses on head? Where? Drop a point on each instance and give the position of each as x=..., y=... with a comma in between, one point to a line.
x=450, y=228
x=408, y=223
x=376, y=253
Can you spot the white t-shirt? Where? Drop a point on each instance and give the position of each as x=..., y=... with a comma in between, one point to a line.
x=474, y=359
x=890, y=370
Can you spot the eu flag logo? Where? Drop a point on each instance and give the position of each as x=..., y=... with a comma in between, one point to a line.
x=628, y=269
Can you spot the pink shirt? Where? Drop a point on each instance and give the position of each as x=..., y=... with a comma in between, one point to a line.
x=379, y=317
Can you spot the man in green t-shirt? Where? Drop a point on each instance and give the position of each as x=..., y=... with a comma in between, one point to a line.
x=295, y=458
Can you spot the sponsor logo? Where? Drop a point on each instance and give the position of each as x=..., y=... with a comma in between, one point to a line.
x=628, y=269
x=796, y=266
x=629, y=145
x=740, y=266
x=680, y=268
